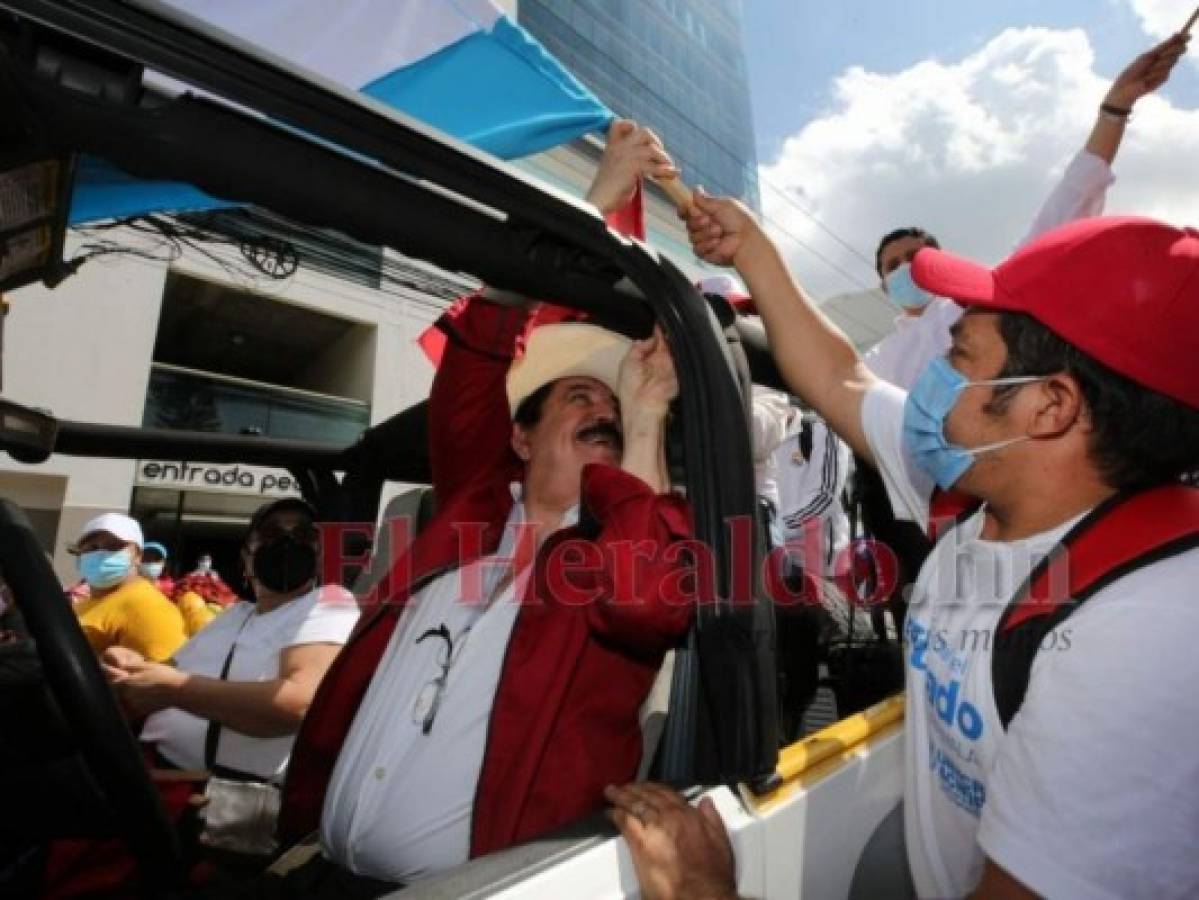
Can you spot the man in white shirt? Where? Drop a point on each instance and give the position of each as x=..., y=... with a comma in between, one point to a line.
x=1083, y=793
x=922, y=329
x=399, y=804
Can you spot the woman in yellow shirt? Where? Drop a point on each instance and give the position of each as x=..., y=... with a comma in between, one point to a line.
x=124, y=609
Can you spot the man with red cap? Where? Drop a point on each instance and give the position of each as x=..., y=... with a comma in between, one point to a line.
x=1050, y=642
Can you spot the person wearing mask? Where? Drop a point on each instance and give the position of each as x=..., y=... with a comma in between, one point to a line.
x=235, y=696
x=922, y=329
x=204, y=566
x=122, y=609
x=1058, y=774
x=153, y=567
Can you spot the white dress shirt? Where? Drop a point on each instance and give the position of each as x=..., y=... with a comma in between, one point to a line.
x=399, y=802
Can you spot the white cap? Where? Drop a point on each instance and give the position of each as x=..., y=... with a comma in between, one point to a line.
x=565, y=350
x=116, y=524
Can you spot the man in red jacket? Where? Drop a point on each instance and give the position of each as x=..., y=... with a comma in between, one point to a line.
x=496, y=690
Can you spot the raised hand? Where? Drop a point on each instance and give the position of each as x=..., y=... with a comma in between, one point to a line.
x=648, y=381
x=632, y=152
x=719, y=227
x=1147, y=72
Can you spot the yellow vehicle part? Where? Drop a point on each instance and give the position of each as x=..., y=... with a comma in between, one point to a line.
x=803, y=763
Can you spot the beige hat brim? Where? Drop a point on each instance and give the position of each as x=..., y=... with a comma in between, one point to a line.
x=566, y=350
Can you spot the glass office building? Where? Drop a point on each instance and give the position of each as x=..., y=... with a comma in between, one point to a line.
x=675, y=65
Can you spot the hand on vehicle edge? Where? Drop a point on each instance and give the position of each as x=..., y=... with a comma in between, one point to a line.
x=680, y=852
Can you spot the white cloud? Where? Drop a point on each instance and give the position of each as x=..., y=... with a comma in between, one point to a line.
x=1161, y=18
x=968, y=150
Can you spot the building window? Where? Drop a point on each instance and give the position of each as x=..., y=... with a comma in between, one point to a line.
x=191, y=401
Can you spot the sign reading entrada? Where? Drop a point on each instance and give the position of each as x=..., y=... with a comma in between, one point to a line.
x=241, y=479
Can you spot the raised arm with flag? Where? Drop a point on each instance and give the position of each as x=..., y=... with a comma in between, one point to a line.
x=633, y=152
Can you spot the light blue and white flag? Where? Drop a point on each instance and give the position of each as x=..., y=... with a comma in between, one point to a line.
x=461, y=66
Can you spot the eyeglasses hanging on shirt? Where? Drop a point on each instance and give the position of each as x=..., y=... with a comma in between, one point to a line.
x=428, y=701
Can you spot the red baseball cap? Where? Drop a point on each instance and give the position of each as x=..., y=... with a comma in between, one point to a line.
x=1123, y=290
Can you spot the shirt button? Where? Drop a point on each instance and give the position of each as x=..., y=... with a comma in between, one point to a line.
x=380, y=773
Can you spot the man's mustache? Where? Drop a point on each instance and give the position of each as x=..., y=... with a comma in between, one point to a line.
x=603, y=429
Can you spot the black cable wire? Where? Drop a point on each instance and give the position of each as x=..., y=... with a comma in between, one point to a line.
x=256, y=229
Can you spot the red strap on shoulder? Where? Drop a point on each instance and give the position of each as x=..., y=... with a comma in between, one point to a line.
x=1113, y=537
x=948, y=508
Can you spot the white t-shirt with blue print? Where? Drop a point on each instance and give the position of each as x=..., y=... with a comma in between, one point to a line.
x=1093, y=792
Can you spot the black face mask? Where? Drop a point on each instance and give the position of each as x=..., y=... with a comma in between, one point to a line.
x=284, y=564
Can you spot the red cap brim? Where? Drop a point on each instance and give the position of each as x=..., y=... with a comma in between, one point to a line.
x=954, y=277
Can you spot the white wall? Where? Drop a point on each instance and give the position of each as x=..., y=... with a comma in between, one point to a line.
x=83, y=351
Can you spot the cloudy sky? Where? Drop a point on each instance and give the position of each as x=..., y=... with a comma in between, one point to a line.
x=956, y=116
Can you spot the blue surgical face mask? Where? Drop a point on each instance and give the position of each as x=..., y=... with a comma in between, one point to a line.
x=903, y=291
x=151, y=570
x=105, y=568
x=929, y=402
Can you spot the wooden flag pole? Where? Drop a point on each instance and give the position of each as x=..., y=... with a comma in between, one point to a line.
x=678, y=192
x=1191, y=21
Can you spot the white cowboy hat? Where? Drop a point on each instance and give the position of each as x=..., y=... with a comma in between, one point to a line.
x=566, y=350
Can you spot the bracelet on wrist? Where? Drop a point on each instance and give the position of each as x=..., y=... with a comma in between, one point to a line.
x=1114, y=113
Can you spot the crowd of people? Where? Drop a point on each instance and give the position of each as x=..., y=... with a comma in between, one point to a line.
x=215, y=686
x=494, y=692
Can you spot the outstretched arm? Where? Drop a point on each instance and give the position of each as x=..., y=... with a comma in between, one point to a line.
x=469, y=422
x=265, y=709
x=1083, y=188
x=816, y=359
x=1144, y=75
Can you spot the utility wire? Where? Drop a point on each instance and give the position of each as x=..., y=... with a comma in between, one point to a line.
x=319, y=249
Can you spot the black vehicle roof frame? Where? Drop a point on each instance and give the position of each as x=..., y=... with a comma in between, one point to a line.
x=186, y=48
